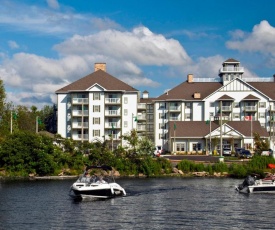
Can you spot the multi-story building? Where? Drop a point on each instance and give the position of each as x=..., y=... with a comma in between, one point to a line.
x=186, y=118
x=97, y=107
x=228, y=101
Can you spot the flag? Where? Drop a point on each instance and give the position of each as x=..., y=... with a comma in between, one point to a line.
x=113, y=126
x=248, y=118
x=39, y=121
x=135, y=118
x=207, y=122
x=175, y=126
x=14, y=115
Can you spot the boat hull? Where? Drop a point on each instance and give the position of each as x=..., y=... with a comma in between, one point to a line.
x=100, y=191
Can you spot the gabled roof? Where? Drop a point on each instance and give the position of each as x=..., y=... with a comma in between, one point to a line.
x=199, y=129
x=146, y=100
x=225, y=98
x=99, y=77
x=250, y=97
x=186, y=90
x=231, y=60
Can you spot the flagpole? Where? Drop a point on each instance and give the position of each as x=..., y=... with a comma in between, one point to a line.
x=11, y=121
x=252, y=134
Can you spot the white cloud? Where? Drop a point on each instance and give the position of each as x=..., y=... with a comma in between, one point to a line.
x=53, y=4
x=13, y=45
x=140, y=46
x=261, y=39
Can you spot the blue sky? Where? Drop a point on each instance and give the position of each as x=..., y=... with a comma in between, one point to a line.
x=151, y=45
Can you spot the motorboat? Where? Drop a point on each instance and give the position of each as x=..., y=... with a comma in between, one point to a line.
x=96, y=187
x=253, y=185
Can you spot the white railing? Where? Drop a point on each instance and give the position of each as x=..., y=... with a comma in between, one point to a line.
x=112, y=124
x=174, y=108
x=250, y=108
x=232, y=69
x=141, y=127
x=80, y=112
x=80, y=101
x=112, y=112
x=200, y=79
x=112, y=100
x=173, y=118
x=141, y=106
x=258, y=79
x=85, y=136
x=141, y=117
x=226, y=108
x=80, y=124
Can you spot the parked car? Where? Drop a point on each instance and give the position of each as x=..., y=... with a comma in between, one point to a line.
x=245, y=154
x=158, y=151
x=227, y=152
x=238, y=151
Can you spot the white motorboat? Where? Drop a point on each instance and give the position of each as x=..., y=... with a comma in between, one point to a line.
x=254, y=185
x=96, y=187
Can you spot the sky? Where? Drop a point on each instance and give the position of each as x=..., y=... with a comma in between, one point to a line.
x=151, y=45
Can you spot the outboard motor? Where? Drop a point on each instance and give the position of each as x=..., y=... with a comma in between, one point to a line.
x=249, y=180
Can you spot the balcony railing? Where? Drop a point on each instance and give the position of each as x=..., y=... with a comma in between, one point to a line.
x=80, y=112
x=173, y=118
x=112, y=112
x=174, y=108
x=80, y=124
x=226, y=108
x=231, y=69
x=250, y=108
x=141, y=128
x=141, y=117
x=78, y=137
x=112, y=100
x=80, y=100
x=141, y=106
x=111, y=125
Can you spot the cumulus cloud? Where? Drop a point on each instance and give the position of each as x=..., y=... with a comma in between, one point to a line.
x=261, y=39
x=140, y=45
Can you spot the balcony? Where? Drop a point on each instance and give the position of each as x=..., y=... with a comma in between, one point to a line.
x=78, y=137
x=174, y=108
x=80, y=112
x=231, y=69
x=112, y=113
x=142, y=106
x=226, y=108
x=173, y=119
x=78, y=101
x=250, y=108
x=112, y=100
x=141, y=117
x=80, y=125
x=110, y=125
x=141, y=128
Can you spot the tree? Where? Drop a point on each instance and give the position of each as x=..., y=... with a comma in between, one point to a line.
x=132, y=139
x=145, y=146
x=260, y=144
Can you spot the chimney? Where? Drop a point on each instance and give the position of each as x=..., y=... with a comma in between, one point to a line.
x=190, y=78
x=274, y=77
x=101, y=66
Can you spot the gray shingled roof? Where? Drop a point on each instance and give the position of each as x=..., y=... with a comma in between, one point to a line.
x=250, y=97
x=99, y=77
x=267, y=88
x=199, y=129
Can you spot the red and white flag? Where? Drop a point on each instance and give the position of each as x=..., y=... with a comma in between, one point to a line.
x=248, y=118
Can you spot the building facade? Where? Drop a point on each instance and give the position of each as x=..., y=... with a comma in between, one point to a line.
x=188, y=117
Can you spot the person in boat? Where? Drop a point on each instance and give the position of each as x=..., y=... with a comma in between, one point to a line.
x=101, y=181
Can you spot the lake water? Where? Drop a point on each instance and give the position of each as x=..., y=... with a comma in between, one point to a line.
x=156, y=203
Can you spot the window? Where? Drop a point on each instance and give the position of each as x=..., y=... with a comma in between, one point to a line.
x=150, y=108
x=125, y=124
x=196, y=146
x=96, y=108
x=212, y=104
x=188, y=105
x=262, y=105
x=96, y=120
x=180, y=147
x=161, y=136
x=96, y=96
x=211, y=114
x=125, y=112
x=96, y=133
x=261, y=115
x=125, y=100
x=150, y=127
x=263, y=125
x=150, y=117
x=162, y=126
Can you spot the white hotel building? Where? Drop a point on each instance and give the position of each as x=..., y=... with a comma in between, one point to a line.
x=99, y=105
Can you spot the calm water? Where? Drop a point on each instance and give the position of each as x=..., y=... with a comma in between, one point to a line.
x=165, y=203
